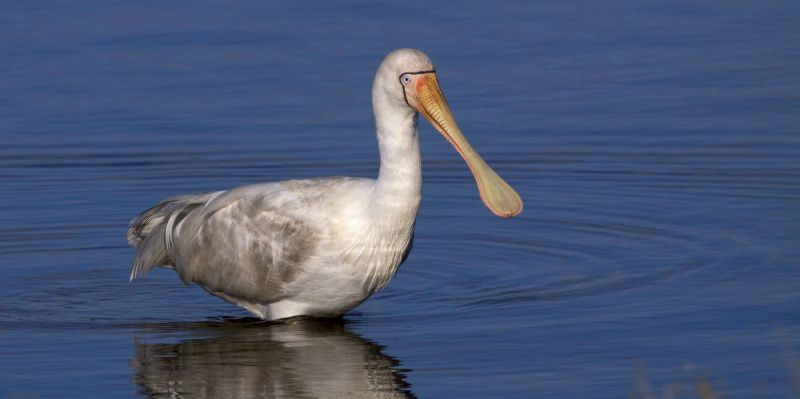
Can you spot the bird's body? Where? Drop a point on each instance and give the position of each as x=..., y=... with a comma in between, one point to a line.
x=316, y=247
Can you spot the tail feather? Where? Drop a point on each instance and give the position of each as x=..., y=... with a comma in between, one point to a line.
x=152, y=252
x=148, y=232
x=142, y=225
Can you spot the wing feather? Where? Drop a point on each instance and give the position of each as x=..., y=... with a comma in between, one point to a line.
x=249, y=243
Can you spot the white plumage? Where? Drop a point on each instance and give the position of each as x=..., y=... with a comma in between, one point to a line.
x=316, y=247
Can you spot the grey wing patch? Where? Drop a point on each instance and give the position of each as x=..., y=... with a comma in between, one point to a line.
x=249, y=249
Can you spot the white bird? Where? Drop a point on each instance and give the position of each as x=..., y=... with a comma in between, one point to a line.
x=316, y=247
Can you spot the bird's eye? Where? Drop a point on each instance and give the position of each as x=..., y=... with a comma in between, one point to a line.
x=405, y=78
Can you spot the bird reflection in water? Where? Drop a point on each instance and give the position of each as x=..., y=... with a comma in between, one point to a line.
x=246, y=358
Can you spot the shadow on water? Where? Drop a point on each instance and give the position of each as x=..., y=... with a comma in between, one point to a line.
x=243, y=358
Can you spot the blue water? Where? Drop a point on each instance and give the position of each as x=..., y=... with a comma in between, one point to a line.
x=656, y=146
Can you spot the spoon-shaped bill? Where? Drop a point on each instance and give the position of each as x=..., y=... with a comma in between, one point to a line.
x=495, y=193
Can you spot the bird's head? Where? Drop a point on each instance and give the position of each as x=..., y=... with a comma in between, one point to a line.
x=409, y=79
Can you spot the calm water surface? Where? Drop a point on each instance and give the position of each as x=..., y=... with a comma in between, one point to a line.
x=656, y=146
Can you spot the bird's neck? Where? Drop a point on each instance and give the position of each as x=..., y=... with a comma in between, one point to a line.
x=399, y=183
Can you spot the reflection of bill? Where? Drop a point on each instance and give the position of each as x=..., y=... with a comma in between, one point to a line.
x=297, y=359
